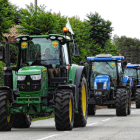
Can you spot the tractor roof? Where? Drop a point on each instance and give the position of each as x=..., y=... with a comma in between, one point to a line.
x=104, y=57
x=52, y=36
x=133, y=65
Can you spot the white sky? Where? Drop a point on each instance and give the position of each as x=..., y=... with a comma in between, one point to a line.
x=124, y=14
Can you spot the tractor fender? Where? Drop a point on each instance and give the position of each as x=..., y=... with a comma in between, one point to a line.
x=9, y=91
x=71, y=87
x=126, y=81
x=79, y=71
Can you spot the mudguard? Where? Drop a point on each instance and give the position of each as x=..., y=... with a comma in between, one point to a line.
x=126, y=81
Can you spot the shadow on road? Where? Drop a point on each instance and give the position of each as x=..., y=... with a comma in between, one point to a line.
x=36, y=128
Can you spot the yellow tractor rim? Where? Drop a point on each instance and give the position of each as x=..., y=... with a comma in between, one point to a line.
x=8, y=117
x=84, y=101
x=70, y=110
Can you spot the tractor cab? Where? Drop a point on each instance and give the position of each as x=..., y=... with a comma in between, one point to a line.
x=105, y=71
x=51, y=51
x=133, y=71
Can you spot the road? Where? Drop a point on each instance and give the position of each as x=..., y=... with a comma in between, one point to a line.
x=105, y=125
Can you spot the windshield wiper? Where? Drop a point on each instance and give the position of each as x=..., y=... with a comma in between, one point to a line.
x=109, y=65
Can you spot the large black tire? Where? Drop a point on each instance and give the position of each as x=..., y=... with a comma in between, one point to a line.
x=64, y=110
x=91, y=109
x=21, y=121
x=5, y=120
x=80, y=119
x=129, y=102
x=137, y=98
x=121, y=102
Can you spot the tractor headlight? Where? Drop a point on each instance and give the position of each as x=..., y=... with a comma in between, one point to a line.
x=35, y=77
x=105, y=85
x=21, y=77
x=95, y=85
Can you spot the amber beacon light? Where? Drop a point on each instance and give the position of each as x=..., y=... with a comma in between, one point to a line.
x=65, y=29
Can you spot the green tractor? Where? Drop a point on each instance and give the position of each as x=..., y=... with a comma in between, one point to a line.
x=44, y=81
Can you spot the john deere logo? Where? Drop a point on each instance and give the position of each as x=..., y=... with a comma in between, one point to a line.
x=54, y=44
x=24, y=45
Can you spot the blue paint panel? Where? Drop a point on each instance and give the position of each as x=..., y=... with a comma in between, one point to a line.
x=133, y=65
x=101, y=79
x=125, y=79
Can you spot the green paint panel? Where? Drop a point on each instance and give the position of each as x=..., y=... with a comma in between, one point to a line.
x=28, y=100
x=30, y=70
x=72, y=72
x=14, y=80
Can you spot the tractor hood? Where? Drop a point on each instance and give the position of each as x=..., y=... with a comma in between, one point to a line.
x=101, y=78
x=101, y=82
x=31, y=70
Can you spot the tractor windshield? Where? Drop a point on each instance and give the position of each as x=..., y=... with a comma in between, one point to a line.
x=105, y=67
x=42, y=49
x=131, y=72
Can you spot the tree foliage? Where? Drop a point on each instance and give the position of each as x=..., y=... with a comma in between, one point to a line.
x=100, y=29
x=40, y=22
x=129, y=47
x=6, y=16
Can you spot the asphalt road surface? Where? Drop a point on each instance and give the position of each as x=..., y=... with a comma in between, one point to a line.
x=105, y=125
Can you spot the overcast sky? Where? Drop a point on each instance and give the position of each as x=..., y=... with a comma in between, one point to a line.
x=124, y=14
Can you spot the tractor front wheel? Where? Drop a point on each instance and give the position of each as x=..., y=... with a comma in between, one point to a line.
x=80, y=119
x=5, y=120
x=64, y=110
x=121, y=102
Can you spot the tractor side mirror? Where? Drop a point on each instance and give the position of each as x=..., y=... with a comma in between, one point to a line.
x=75, y=49
x=1, y=52
x=82, y=63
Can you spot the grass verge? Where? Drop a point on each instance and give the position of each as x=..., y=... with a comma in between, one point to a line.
x=42, y=118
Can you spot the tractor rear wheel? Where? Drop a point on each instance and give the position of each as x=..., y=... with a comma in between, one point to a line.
x=121, y=102
x=138, y=98
x=129, y=102
x=91, y=109
x=21, y=121
x=5, y=120
x=64, y=110
x=80, y=119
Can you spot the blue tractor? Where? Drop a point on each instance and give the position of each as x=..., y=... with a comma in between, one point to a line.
x=107, y=84
x=133, y=71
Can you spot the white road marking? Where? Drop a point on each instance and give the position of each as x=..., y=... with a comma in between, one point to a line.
x=106, y=119
x=47, y=137
x=92, y=124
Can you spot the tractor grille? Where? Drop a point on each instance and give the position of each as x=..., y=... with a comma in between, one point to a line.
x=100, y=85
x=29, y=85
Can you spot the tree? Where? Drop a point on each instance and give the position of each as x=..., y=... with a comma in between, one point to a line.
x=101, y=29
x=40, y=22
x=6, y=16
x=129, y=47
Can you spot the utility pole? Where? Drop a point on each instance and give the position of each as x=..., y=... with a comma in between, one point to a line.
x=35, y=5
